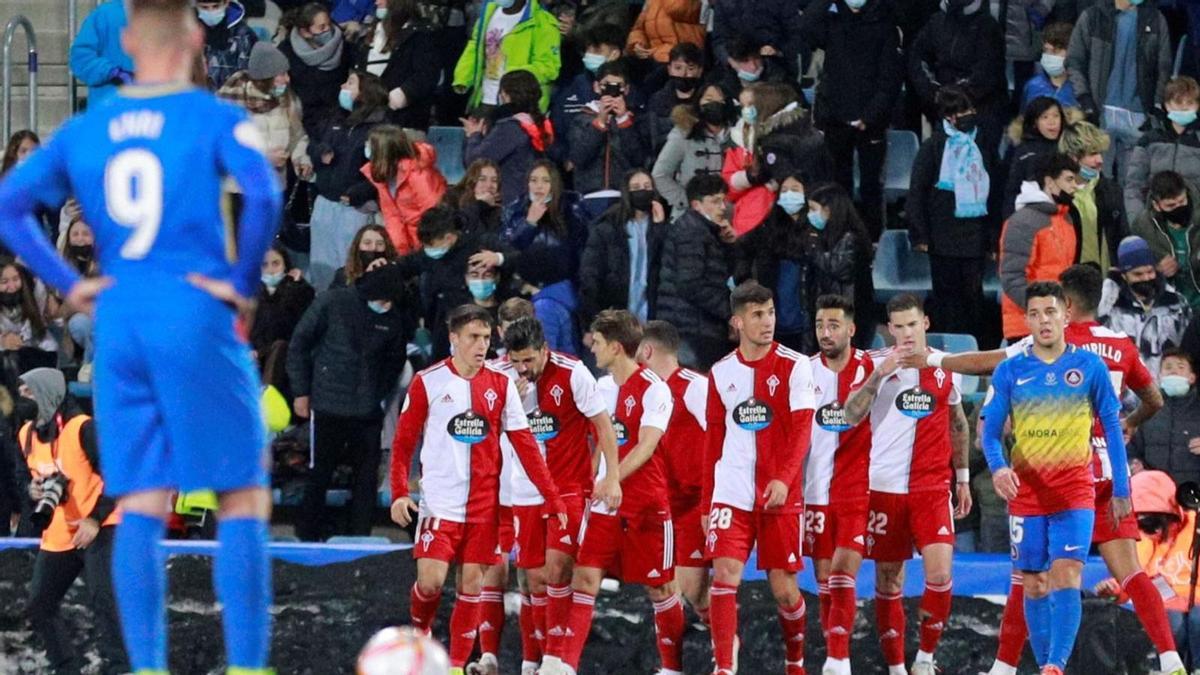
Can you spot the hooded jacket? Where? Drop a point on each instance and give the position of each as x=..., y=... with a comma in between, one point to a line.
x=1092, y=48
x=533, y=45
x=662, y=24
x=1161, y=149
x=788, y=143
x=604, y=148
x=96, y=56
x=419, y=187
x=690, y=151
x=1030, y=145
x=227, y=45
x=1153, y=330
x=514, y=143
x=1154, y=492
x=692, y=290
x=1037, y=244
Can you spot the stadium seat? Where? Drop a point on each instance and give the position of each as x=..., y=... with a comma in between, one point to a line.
x=955, y=343
x=991, y=281
x=878, y=342
x=362, y=541
x=902, y=146
x=1179, y=55
x=898, y=269
x=449, y=142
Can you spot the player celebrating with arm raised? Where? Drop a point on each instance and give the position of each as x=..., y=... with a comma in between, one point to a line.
x=1053, y=391
x=918, y=432
x=760, y=408
x=147, y=168
x=457, y=409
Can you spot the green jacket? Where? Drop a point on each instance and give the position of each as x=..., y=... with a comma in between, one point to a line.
x=532, y=45
x=1154, y=231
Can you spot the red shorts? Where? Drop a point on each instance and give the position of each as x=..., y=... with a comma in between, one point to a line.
x=827, y=528
x=506, y=536
x=1103, y=531
x=898, y=522
x=567, y=540
x=453, y=542
x=530, y=526
x=732, y=533
x=634, y=551
x=689, y=538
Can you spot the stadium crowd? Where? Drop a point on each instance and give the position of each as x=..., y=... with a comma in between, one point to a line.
x=610, y=155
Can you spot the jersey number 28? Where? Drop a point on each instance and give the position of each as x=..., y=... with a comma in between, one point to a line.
x=133, y=190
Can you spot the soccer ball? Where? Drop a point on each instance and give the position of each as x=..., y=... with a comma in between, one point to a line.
x=402, y=651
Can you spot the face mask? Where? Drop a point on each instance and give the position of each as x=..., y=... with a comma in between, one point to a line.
x=83, y=252
x=1063, y=199
x=25, y=410
x=685, y=84
x=966, y=122
x=545, y=200
x=381, y=13
x=593, y=61
x=1144, y=289
x=365, y=258
x=1181, y=215
x=367, y=150
x=346, y=100
x=1053, y=64
x=211, y=17
x=436, y=253
x=1182, y=117
x=748, y=75
x=279, y=90
x=713, y=113
x=856, y=4
x=1174, y=385
x=817, y=220
x=481, y=289
x=749, y=114
x=378, y=306
x=272, y=280
x=323, y=39
x=641, y=199
x=791, y=202
x=10, y=299
x=1088, y=174
x=1135, y=3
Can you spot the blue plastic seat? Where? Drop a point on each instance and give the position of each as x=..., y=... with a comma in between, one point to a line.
x=991, y=281
x=899, y=269
x=902, y=146
x=449, y=143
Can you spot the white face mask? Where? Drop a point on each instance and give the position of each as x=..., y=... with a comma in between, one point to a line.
x=1054, y=65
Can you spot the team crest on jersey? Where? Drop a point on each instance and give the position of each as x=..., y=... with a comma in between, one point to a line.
x=1073, y=377
x=621, y=431
x=467, y=428
x=543, y=426
x=915, y=403
x=556, y=393
x=832, y=418
x=772, y=384
x=630, y=402
x=426, y=539
x=1051, y=380
x=940, y=376
x=752, y=415
x=490, y=396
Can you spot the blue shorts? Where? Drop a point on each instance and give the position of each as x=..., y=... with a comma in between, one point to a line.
x=176, y=396
x=1037, y=541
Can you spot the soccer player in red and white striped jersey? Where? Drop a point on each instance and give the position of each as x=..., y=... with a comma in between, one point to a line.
x=836, y=487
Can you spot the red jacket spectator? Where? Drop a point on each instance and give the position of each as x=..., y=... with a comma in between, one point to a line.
x=416, y=186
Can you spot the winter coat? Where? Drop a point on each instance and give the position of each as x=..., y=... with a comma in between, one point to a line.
x=1153, y=229
x=662, y=24
x=411, y=69
x=1037, y=244
x=317, y=88
x=769, y=22
x=658, y=112
x=690, y=151
x=1022, y=28
x=342, y=177
x=278, y=119
x=1154, y=330
x=517, y=232
x=788, y=142
x=555, y=306
x=419, y=187
x=1022, y=162
x=441, y=287
x=864, y=66
x=278, y=313
x=844, y=268
x=569, y=100
x=604, y=269
x=514, y=143
x=1040, y=85
x=227, y=45
x=692, y=290
x=346, y=357
x=532, y=45
x=751, y=203
x=965, y=50
x=930, y=210
x=1091, y=52
x=760, y=252
x=604, y=148
x=1110, y=216
x=1161, y=442
x=96, y=56
x=1161, y=150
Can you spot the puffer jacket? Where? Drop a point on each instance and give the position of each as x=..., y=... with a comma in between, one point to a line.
x=1153, y=229
x=1022, y=28
x=419, y=187
x=1030, y=146
x=760, y=253
x=603, y=149
x=227, y=45
x=690, y=151
x=1153, y=330
x=692, y=290
x=788, y=142
x=663, y=24
x=555, y=307
x=278, y=119
x=604, y=269
x=1091, y=52
x=1161, y=150
x=1162, y=441
x=1037, y=244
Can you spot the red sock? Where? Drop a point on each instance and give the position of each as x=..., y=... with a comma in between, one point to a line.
x=935, y=610
x=422, y=609
x=793, y=621
x=558, y=614
x=580, y=624
x=1148, y=605
x=668, y=621
x=531, y=649
x=1013, y=631
x=464, y=627
x=723, y=611
x=491, y=619
x=823, y=600
x=841, y=615
x=889, y=617
x=539, y=602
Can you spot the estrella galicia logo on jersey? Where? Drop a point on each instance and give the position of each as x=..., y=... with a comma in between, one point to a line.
x=1073, y=377
x=752, y=415
x=622, y=432
x=832, y=418
x=543, y=425
x=915, y=403
x=467, y=428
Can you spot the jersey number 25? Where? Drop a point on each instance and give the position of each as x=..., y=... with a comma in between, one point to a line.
x=133, y=190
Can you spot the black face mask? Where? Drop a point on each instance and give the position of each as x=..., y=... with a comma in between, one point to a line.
x=83, y=252
x=1181, y=215
x=684, y=85
x=10, y=299
x=24, y=410
x=714, y=113
x=967, y=122
x=1063, y=199
x=365, y=258
x=641, y=199
x=1145, y=289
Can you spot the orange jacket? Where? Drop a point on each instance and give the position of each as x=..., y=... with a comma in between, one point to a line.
x=1154, y=492
x=419, y=187
x=1038, y=242
x=664, y=24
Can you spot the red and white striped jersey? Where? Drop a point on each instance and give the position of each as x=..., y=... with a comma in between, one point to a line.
x=644, y=400
x=683, y=444
x=458, y=422
x=840, y=454
x=759, y=417
x=910, y=429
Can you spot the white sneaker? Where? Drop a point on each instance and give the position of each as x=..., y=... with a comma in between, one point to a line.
x=836, y=667
x=486, y=665
x=552, y=665
x=528, y=668
x=924, y=668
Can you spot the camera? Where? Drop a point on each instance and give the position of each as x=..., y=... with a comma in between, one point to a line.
x=54, y=487
x=613, y=89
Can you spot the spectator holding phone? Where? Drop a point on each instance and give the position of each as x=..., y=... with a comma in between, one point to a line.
x=606, y=140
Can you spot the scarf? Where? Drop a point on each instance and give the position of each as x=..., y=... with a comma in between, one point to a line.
x=962, y=173
x=325, y=57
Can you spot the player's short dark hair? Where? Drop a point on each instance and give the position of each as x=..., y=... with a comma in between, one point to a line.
x=620, y=326
x=436, y=223
x=1052, y=165
x=1166, y=185
x=1045, y=289
x=662, y=333
x=686, y=51
x=1176, y=353
x=466, y=314
x=604, y=34
x=705, y=185
x=904, y=302
x=749, y=293
x=1085, y=284
x=513, y=309
x=524, y=333
x=835, y=301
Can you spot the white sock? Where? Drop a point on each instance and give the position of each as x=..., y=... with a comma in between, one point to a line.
x=923, y=657
x=552, y=663
x=838, y=666
x=1170, y=661
x=897, y=670
x=664, y=671
x=1002, y=668
x=529, y=664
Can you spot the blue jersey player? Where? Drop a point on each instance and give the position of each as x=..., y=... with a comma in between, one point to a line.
x=1053, y=391
x=176, y=394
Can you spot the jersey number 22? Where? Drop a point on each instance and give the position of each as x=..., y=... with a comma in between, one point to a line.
x=133, y=190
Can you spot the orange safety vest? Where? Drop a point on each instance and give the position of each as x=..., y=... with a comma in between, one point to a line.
x=65, y=454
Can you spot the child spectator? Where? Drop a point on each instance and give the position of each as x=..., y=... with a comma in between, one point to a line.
x=518, y=136
x=1171, y=226
x=1173, y=147
x=606, y=138
x=228, y=39
x=685, y=72
x=1035, y=134
x=370, y=245
x=1052, y=78
x=602, y=44
x=406, y=178
x=25, y=339
x=546, y=215
x=439, y=267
